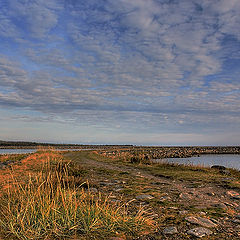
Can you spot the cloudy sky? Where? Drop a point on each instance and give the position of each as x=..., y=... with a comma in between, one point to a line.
x=151, y=72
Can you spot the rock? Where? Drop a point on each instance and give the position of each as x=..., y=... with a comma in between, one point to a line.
x=228, y=204
x=199, y=232
x=170, y=230
x=236, y=221
x=210, y=194
x=144, y=197
x=119, y=189
x=92, y=190
x=116, y=238
x=219, y=205
x=201, y=221
x=164, y=198
x=233, y=194
x=106, y=183
x=218, y=167
x=185, y=196
x=226, y=172
x=183, y=212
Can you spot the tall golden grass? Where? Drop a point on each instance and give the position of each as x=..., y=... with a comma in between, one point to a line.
x=50, y=206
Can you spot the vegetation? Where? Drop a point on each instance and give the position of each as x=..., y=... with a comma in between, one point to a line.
x=49, y=205
x=97, y=195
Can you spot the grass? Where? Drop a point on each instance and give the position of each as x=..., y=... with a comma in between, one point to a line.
x=48, y=205
x=12, y=157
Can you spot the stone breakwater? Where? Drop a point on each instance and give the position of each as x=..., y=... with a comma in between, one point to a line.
x=136, y=154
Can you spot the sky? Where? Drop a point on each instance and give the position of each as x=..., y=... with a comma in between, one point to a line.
x=144, y=72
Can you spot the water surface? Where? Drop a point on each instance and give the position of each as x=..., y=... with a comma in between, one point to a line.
x=226, y=160
x=23, y=151
x=17, y=151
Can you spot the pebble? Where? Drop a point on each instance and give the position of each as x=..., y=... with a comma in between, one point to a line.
x=220, y=205
x=144, y=197
x=119, y=189
x=199, y=232
x=183, y=212
x=233, y=194
x=164, y=198
x=116, y=238
x=170, y=230
x=185, y=196
x=106, y=183
x=201, y=221
x=92, y=190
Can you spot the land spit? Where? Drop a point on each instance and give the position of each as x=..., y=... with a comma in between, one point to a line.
x=186, y=202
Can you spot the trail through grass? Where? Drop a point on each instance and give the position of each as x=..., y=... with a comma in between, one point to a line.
x=48, y=205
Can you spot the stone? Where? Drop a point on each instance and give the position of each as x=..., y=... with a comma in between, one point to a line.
x=202, y=213
x=219, y=205
x=164, y=198
x=170, y=230
x=236, y=221
x=144, y=197
x=201, y=221
x=218, y=167
x=119, y=189
x=199, y=232
x=92, y=190
x=210, y=194
x=233, y=194
x=116, y=238
x=106, y=183
x=226, y=172
x=185, y=196
x=183, y=212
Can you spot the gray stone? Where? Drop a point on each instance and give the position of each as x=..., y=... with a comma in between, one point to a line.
x=183, y=212
x=164, y=198
x=201, y=221
x=106, y=183
x=119, y=189
x=233, y=194
x=218, y=167
x=199, y=232
x=92, y=190
x=144, y=197
x=170, y=230
x=116, y=238
x=236, y=221
x=219, y=205
x=185, y=196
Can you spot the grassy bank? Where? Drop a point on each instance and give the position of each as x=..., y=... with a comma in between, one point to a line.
x=48, y=205
x=86, y=195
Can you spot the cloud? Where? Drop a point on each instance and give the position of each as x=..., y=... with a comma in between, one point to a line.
x=143, y=64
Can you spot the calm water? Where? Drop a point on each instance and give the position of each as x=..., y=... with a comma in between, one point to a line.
x=16, y=151
x=19, y=151
x=227, y=160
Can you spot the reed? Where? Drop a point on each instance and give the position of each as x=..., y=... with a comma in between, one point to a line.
x=50, y=206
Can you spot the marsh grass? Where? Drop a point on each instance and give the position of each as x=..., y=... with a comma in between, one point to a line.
x=49, y=206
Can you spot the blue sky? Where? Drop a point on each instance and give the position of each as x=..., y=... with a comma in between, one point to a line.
x=145, y=72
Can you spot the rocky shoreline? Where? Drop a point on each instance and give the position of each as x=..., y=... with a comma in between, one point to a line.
x=138, y=154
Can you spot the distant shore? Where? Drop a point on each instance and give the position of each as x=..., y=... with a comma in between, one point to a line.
x=145, y=152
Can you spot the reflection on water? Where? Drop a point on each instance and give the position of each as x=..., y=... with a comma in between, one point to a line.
x=227, y=160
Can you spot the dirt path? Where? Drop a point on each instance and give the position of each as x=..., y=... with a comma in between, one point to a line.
x=173, y=199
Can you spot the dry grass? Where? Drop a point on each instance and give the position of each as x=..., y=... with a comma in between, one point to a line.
x=49, y=206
